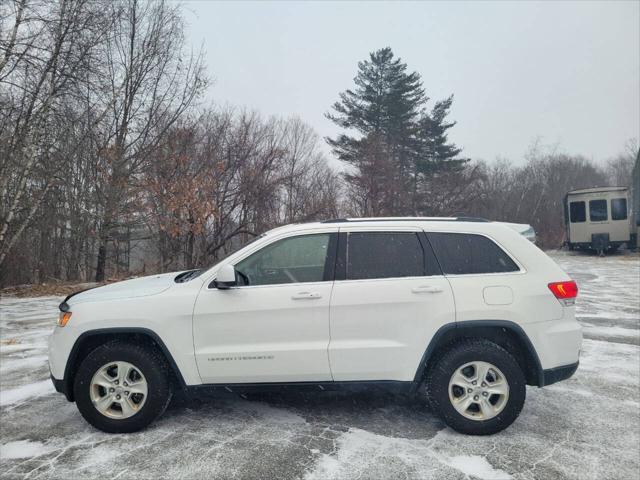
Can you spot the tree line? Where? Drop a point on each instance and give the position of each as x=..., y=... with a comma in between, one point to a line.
x=111, y=166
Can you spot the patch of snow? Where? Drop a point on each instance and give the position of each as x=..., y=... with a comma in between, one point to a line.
x=478, y=467
x=28, y=363
x=24, y=449
x=362, y=454
x=101, y=454
x=21, y=347
x=572, y=390
x=612, y=331
x=273, y=414
x=16, y=395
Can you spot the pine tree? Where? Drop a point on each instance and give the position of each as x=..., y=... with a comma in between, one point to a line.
x=384, y=109
x=395, y=143
x=435, y=154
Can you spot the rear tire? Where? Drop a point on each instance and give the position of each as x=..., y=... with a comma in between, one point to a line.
x=492, y=408
x=94, y=390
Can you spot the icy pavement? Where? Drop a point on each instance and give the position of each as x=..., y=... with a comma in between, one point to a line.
x=585, y=428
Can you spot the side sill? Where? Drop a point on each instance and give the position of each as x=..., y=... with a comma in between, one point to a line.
x=557, y=374
x=355, y=385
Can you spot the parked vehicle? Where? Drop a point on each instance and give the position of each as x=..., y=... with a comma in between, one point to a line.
x=598, y=218
x=463, y=313
x=523, y=229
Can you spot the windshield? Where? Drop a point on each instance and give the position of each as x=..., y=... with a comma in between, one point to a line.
x=191, y=274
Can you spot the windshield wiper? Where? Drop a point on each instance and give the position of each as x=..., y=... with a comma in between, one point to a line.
x=189, y=275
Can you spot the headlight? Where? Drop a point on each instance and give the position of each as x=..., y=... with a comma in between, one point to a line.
x=63, y=318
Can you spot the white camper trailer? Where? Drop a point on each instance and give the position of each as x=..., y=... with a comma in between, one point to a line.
x=598, y=218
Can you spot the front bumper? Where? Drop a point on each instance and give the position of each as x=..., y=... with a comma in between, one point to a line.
x=57, y=384
x=557, y=374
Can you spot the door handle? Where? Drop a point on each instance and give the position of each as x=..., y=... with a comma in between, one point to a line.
x=427, y=289
x=306, y=296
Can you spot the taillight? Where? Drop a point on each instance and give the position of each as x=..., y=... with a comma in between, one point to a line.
x=566, y=292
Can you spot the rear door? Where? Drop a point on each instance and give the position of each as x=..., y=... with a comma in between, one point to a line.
x=488, y=283
x=388, y=300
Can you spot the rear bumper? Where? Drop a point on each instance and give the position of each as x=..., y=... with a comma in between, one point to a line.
x=557, y=342
x=557, y=374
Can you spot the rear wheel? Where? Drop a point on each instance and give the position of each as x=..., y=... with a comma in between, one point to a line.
x=122, y=387
x=476, y=387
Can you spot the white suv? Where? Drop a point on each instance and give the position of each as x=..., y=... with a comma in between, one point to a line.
x=465, y=313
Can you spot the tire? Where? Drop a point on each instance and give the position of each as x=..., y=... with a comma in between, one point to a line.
x=469, y=356
x=150, y=374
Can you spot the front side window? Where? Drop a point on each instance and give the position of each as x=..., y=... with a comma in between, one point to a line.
x=384, y=255
x=577, y=212
x=464, y=253
x=598, y=210
x=290, y=260
x=619, y=209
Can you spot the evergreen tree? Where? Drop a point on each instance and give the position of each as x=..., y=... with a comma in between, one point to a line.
x=395, y=143
x=434, y=152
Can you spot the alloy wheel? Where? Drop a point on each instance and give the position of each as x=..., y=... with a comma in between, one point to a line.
x=478, y=390
x=118, y=390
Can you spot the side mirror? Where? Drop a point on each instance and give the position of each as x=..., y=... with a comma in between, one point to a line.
x=226, y=278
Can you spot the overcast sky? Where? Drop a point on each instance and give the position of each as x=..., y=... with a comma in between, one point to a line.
x=568, y=73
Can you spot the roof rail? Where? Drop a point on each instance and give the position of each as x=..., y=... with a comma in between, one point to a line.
x=471, y=219
x=406, y=219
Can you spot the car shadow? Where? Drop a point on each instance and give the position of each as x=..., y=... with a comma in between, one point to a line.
x=374, y=409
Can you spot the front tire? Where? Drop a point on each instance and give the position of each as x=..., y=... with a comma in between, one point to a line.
x=476, y=387
x=122, y=387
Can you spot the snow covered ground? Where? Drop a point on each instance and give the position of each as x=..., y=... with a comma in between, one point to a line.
x=585, y=428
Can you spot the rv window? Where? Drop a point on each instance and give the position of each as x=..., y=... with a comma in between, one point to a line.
x=577, y=212
x=618, y=209
x=598, y=210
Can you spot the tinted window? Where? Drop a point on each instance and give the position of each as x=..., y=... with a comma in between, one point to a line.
x=460, y=253
x=619, y=209
x=577, y=212
x=384, y=255
x=291, y=260
x=598, y=210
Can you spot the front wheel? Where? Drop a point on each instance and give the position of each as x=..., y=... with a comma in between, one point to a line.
x=476, y=387
x=122, y=387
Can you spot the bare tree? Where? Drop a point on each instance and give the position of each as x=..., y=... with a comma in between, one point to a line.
x=621, y=166
x=145, y=54
x=47, y=50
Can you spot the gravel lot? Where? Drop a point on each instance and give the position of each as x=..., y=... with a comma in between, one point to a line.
x=585, y=428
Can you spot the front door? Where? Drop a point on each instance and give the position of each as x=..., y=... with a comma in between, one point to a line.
x=274, y=326
x=388, y=301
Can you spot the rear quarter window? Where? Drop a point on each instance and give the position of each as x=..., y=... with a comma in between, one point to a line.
x=466, y=253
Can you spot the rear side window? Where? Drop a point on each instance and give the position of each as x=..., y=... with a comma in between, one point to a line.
x=577, y=212
x=619, y=209
x=384, y=255
x=464, y=253
x=598, y=210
